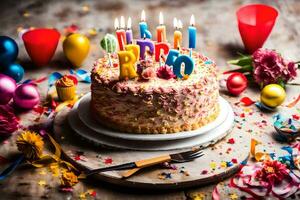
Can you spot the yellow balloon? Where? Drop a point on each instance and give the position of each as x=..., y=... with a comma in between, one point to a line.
x=272, y=95
x=76, y=47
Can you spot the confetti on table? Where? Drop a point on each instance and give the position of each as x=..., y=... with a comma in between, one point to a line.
x=108, y=161
x=164, y=175
x=231, y=141
x=233, y=196
x=213, y=165
x=247, y=101
x=42, y=183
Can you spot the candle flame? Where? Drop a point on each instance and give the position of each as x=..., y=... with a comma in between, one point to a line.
x=143, y=16
x=116, y=23
x=161, y=18
x=192, y=21
x=122, y=22
x=175, y=23
x=129, y=23
x=179, y=24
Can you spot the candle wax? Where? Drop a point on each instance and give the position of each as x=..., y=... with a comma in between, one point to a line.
x=135, y=49
x=192, y=37
x=144, y=44
x=161, y=48
x=121, y=36
x=145, y=33
x=129, y=36
x=161, y=33
x=177, y=39
x=126, y=62
x=188, y=66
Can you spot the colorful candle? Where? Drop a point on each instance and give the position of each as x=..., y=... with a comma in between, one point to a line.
x=145, y=33
x=172, y=56
x=161, y=48
x=129, y=32
x=121, y=35
x=161, y=29
x=144, y=45
x=135, y=49
x=188, y=66
x=126, y=61
x=177, y=34
x=192, y=33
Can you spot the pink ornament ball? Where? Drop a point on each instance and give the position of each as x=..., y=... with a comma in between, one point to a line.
x=7, y=88
x=26, y=96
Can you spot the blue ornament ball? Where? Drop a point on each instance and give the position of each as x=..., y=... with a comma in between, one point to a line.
x=8, y=51
x=15, y=71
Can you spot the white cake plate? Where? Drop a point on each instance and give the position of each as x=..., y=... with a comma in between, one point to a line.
x=201, y=140
x=83, y=109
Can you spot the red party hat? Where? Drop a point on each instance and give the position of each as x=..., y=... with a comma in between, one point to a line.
x=255, y=23
x=41, y=44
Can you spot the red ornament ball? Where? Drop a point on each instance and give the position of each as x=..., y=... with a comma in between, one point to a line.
x=236, y=83
x=26, y=96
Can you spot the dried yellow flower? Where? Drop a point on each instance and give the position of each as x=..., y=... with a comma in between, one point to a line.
x=68, y=179
x=30, y=144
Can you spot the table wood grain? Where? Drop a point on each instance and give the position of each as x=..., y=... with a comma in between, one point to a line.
x=218, y=38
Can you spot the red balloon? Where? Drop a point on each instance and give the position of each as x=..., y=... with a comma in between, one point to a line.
x=255, y=24
x=236, y=83
x=41, y=44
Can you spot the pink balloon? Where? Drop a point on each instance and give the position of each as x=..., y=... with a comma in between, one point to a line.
x=255, y=23
x=26, y=96
x=7, y=88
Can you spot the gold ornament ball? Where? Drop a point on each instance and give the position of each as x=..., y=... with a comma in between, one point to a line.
x=76, y=47
x=272, y=95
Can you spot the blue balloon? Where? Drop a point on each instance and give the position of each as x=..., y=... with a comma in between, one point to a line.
x=15, y=71
x=8, y=51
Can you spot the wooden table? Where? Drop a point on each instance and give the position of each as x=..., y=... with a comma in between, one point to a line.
x=217, y=38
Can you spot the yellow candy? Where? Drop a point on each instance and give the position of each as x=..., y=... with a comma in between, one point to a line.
x=76, y=47
x=272, y=95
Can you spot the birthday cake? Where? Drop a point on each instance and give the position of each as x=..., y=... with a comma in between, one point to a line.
x=156, y=101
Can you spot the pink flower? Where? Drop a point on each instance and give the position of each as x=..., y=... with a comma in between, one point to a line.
x=270, y=67
x=148, y=73
x=8, y=121
x=165, y=72
x=269, y=178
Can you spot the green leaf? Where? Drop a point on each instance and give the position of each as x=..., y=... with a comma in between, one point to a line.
x=109, y=43
x=247, y=60
x=281, y=83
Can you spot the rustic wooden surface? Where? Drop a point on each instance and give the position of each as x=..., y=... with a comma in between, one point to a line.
x=218, y=38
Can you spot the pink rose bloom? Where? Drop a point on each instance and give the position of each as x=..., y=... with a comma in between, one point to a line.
x=165, y=72
x=148, y=73
x=8, y=121
x=269, y=67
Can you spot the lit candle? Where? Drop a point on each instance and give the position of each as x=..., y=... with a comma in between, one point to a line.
x=126, y=62
x=145, y=33
x=177, y=34
x=161, y=29
x=121, y=35
x=192, y=33
x=144, y=44
x=160, y=48
x=129, y=32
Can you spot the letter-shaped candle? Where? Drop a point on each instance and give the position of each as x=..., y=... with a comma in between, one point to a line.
x=161, y=47
x=145, y=33
x=126, y=62
x=121, y=34
x=161, y=29
x=129, y=32
x=135, y=49
x=192, y=33
x=172, y=56
x=188, y=66
x=143, y=47
x=177, y=33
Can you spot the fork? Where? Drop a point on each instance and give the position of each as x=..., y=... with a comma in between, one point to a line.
x=177, y=157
